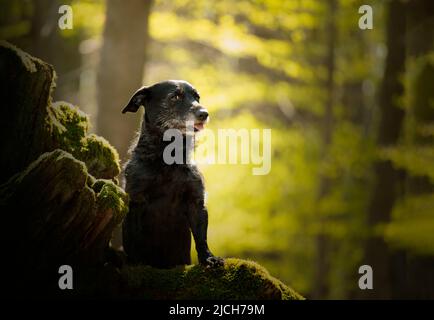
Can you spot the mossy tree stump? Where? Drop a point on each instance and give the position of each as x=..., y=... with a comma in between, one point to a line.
x=59, y=194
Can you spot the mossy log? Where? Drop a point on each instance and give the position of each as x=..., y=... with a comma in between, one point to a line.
x=56, y=199
x=60, y=202
x=237, y=280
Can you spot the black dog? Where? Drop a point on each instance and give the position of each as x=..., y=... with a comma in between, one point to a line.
x=166, y=200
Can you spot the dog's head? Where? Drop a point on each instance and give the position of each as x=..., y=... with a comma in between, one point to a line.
x=170, y=105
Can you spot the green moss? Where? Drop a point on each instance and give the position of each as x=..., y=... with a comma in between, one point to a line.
x=68, y=127
x=238, y=279
x=68, y=124
x=101, y=158
x=111, y=197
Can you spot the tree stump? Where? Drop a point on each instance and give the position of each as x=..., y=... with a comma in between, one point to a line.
x=58, y=192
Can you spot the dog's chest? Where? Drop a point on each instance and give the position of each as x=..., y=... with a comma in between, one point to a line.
x=175, y=190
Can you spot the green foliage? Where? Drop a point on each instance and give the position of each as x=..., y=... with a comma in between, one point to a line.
x=412, y=226
x=419, y=93
x=416, y=160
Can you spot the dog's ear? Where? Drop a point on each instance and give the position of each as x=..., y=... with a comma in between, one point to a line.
x=138, y=99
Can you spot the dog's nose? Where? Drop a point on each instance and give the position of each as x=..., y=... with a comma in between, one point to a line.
x=202, y=114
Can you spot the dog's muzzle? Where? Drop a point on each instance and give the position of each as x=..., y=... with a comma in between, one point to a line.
x=202, y=117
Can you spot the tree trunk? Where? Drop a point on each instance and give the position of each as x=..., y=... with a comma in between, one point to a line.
x=417, y=277
x=386, y=177
x=47, y=44
x=120, y=73
x=121, y=68
x=322, y=240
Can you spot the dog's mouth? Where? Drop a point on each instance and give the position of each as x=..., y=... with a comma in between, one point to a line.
x=198, y=126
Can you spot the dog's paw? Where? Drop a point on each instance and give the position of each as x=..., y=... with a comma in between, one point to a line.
x=213, y=261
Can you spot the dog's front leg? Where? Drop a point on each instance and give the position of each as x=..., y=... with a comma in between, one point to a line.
x=199, y=226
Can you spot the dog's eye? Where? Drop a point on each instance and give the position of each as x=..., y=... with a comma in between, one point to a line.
x=196, y=95
x=177, y=96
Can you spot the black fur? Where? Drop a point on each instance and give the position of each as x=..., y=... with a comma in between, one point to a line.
x=166, y=201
